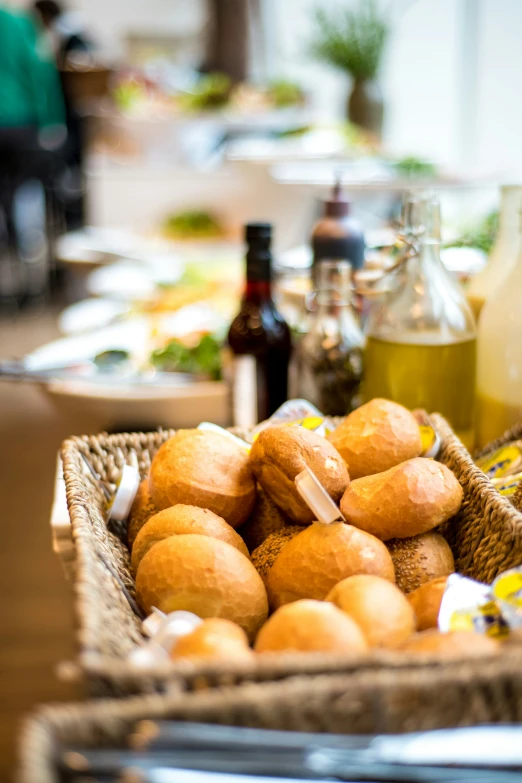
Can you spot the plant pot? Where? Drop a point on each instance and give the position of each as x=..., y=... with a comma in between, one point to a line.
x=365, y=106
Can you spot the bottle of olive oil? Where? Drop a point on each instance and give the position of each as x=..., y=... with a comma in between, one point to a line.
x=421, y=341
x=499, y=372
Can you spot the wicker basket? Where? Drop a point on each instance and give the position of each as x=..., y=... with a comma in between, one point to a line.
x=486, y=538
x=359, y=703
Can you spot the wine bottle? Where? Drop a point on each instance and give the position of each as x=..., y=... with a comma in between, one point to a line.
x=259, y=338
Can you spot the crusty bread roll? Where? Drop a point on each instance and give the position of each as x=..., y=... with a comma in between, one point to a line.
x=455, y=644
x=310, y=626
x=404, y=501
x=142, y=510
x=180, y=520
x=205, y=469
x=426, y=601
x=215, y=639
x=205, y=576
x=419, y=559
x=310, y=564
x=281, y=453
x=377, y=436
x=379, y=608
x=265, y=519
x=264, y=556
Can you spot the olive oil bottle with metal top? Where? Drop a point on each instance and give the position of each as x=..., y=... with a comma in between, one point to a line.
x=421, y=338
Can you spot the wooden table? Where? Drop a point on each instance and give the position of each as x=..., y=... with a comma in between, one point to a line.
x=36, y=625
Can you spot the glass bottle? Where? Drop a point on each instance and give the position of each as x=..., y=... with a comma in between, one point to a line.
x=504, y=252
x=259, y=338
x=421, y=343
x=329, y=357
x=499, y=358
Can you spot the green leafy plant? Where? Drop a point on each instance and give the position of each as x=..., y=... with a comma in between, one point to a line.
x=202, y=359
x=482, y=236
x=415, y=167
x=352, y=40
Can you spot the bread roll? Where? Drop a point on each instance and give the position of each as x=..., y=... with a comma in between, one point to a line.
x=205, y=469
x=205, y=576
x=404, y=501
x=215, y=639
x=281, y=453
x=455, y=644
x=310, y=626
x=377, y=436
x=180, y=520
x=142, y=510
x=426, y=601
x=314, y=561
x=379, y=608
x=419, y=559
x=263, y=558
x=265, y=519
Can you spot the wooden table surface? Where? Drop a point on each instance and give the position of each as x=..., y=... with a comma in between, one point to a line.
x=36, y=624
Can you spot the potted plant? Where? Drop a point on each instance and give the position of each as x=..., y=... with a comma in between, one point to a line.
x=353, y=41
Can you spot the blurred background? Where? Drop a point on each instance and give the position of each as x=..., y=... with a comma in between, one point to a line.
x=136, y=140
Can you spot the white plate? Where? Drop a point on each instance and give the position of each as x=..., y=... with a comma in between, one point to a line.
x=134, y=280
x=90, y=314
x=123, y=405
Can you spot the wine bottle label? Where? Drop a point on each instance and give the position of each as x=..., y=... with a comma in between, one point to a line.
x=244, y=391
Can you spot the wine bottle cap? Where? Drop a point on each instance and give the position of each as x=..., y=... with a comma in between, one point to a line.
x=255, y=231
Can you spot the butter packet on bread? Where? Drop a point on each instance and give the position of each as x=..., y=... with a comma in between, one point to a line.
x=297, y=413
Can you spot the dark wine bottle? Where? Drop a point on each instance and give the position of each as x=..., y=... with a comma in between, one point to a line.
x=259, y=338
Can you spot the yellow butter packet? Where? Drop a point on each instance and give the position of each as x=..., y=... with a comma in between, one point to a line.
x=507, y=485
x=507, y=590
x=486, y=619
x=505, y=461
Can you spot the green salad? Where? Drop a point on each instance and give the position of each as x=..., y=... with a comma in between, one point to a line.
x=201, y=359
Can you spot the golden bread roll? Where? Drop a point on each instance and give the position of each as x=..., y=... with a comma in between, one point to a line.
x=205, y=576
x=310, y=626
x=379, y=608
x=265, y=519
x=455, y=644
x=310, y=564
x=404, y=501
x=419, y=559
x=426, y=601
x=263, y=558
x=141, y=511
x=377, y=436
x=281, y=453
x=180, y=520
x=216, y=639
x=205, y=469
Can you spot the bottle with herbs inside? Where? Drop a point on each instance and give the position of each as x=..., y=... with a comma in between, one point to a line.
x=329, y=358
x=259, y=338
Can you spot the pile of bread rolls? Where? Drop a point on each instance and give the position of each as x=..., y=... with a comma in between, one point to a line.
x=220, y=530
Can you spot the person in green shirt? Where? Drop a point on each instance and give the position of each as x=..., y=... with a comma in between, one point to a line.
x=32, y=134
x=30, y=90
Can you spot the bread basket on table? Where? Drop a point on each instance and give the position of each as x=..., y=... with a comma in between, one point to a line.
x=364, y=702
x=485, y=536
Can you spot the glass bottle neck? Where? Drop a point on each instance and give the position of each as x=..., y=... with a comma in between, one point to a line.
x=258, y=272
x=257, y=291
